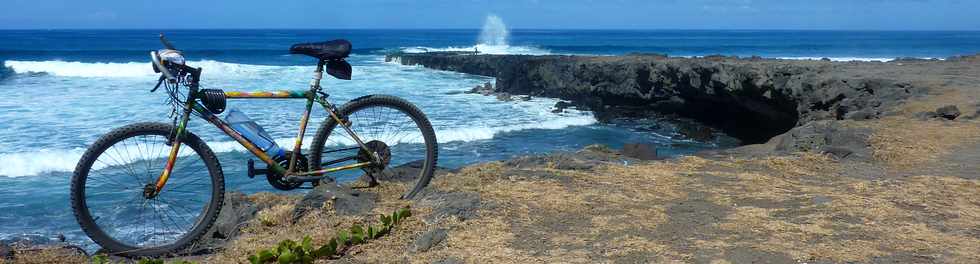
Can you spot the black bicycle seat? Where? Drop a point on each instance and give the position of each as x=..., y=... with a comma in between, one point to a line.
x=327, y=50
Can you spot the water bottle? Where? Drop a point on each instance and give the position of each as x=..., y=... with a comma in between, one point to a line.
x=254, y=133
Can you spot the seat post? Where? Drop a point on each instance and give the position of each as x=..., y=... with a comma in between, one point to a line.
x=317, y=75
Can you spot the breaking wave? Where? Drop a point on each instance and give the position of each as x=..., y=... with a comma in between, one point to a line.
x=42, y=161
x=483, y=49
x=130, y=69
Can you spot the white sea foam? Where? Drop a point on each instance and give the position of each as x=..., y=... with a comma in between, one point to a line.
x=34, y=163
x=82, y=69
x=488, y=132
x=483, y=49
x=38, y=162
x=455, y=117
x=131, y=69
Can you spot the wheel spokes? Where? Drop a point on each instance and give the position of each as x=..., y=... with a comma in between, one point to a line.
x=396, y=129
x=114, y=192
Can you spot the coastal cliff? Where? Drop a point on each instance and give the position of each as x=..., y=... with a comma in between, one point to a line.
x=752, y=99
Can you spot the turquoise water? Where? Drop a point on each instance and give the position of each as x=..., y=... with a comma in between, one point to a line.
x=63, y=89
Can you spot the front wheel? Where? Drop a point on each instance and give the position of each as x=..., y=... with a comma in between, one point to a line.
x=108, y=199
x=394, y=129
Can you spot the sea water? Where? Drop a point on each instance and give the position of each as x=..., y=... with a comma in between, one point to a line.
x=62, y=89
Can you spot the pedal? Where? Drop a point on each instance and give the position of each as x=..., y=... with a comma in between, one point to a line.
x=252, y=171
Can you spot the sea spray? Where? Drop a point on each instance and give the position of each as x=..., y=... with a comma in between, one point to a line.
x=494, y=39
x=494, y=32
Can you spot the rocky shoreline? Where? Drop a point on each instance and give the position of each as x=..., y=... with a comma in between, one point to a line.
x=752, y=99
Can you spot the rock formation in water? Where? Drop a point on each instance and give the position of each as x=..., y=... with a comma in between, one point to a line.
x=752, y=99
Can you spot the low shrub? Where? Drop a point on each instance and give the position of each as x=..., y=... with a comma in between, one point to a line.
x=289, y=251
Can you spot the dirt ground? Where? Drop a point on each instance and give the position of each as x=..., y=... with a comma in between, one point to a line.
x=800, y=208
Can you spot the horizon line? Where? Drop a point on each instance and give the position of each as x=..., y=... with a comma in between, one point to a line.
x=520, y=29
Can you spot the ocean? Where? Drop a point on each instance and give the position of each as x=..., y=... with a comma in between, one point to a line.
x=62, y=89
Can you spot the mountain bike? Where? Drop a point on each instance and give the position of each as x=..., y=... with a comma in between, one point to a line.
x=150, y=189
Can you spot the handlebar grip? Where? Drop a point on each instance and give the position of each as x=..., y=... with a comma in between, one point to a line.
x=159, y=66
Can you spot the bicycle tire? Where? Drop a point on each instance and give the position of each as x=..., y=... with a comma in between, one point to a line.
x=388, y=101
x=110, y=244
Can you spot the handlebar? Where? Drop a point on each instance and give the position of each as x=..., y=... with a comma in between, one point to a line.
x=171, y=65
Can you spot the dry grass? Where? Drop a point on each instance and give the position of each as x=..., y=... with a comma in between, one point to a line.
x=903, y=143
x=49, y=255
x=526, y=208
x=799, y=207
x=861, y=220
x=964, y=99
x=274, y=224
x=623, y=213
x=679, y=211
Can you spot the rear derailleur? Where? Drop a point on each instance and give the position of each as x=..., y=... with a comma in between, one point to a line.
x=376, y=168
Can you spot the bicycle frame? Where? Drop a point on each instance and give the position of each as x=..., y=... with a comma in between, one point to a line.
x=312, y=95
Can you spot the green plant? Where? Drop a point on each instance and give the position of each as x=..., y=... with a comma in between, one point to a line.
x=289, y=251
x=104, y=259
x=100, y=259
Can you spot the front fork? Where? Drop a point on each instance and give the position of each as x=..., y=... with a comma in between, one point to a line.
x=152, y=190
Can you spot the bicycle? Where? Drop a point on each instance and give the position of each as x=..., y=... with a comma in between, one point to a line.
x=136, y=192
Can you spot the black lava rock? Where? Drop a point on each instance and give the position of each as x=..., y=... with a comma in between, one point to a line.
x=6, y=252
x=461, y=205
x=429, y=239
x=347, y=201
x=948, y=112
x=236, y=210
x=753, y=100
x=640, y=151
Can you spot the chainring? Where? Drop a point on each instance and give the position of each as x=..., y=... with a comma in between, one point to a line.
x=278, y=181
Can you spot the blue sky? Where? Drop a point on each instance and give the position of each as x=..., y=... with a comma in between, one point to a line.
x=542, y=14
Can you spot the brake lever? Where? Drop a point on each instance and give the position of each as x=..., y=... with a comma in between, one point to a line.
x=159, y=82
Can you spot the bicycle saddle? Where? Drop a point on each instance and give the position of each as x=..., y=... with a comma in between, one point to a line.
x=327, y=50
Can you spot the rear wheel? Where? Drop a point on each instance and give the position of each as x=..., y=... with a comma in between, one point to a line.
x=393, y=129
x=108, y=199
